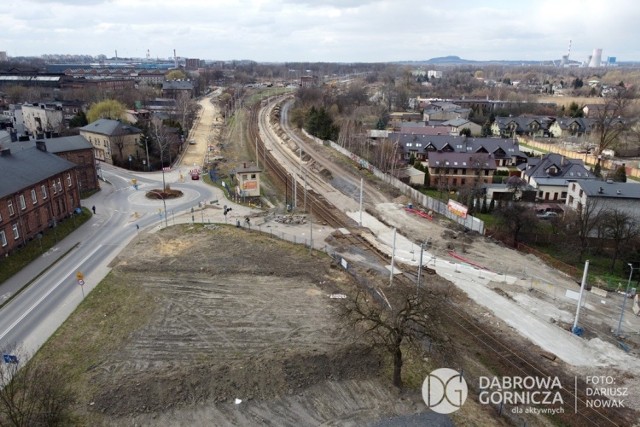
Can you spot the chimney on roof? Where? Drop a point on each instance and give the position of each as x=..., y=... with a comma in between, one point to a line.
x=244, y=165
x=41, y=145
x=600, y=190
x=5, y=152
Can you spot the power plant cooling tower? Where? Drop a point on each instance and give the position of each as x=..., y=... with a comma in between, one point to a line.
x=596, y=58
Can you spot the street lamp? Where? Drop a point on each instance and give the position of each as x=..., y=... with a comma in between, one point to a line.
x=624, y=301
x=166, y=223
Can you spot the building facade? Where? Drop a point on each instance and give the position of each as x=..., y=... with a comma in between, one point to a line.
x=32, y=203
x=112, y=140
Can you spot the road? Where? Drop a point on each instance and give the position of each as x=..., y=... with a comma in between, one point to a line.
x=34, y=314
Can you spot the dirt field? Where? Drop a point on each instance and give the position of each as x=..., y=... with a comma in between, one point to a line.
x=254, y=322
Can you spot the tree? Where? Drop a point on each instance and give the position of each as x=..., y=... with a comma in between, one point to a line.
x=163, y=140
x=621, y=228
x=78, y=120
x=107, y=109
x=516, y=185
x=175, y=75
x=465, y=132
x=515, y=217
x=620, y=174
x=186, y=108
x=406, y=316
x=608, y=121
x=34, y=394
x=583, y=221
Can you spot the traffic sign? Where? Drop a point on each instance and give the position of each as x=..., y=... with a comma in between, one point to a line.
x=79, y=275
x=80, y=282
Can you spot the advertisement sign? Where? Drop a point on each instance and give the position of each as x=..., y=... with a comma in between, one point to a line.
x=249, y=185
x=457, y=208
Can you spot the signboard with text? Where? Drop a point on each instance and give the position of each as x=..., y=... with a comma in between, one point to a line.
x=457, y=208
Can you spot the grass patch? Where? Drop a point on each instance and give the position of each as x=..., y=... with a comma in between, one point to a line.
x=34, y=248
x=100, y=325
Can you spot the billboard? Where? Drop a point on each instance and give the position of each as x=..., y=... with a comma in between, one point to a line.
x=457, y=208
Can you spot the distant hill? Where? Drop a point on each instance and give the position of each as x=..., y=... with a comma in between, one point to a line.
x=456, y=60
x=451, y=59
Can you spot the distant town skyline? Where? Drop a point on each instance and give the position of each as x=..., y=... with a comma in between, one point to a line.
x=323, y=31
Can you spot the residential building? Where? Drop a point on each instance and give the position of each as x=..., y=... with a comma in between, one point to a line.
x=621, y=196
x=75, y=149
x=113, y=141
x=248, y=177
x=40, y=118
x=508, y=127
x=551, y=175
x=453, y=170
x=177, y=88
x=571, y=127
x=456, y=125
x=505, y=152
x=30, y=203
x=424, y=130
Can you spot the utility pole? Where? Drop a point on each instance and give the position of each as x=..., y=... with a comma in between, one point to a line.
x=361, y=185
x=393, y=256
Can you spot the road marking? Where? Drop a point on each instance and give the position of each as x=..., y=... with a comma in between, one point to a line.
x=30, y=309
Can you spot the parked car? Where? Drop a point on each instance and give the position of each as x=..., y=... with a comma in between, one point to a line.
x=548, y=215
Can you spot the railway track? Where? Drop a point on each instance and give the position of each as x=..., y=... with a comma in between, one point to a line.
x=513, y=361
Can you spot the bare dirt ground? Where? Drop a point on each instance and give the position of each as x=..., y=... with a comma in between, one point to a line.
x=235, y=315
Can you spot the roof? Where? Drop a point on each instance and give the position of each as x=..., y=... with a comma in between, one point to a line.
x=110, y=128
x=25, y=168
x=56, y=145
x=409, y=172
x=610, y=189
x=456, y=122
x=554, y=166
x=499, y=147
x=248, y=169
x=177, y=85
x=424, y=130
x=462, y=160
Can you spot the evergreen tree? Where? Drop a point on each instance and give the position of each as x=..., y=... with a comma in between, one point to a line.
x=484, y=209
x=492, y=205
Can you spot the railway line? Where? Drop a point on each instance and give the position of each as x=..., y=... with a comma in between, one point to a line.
x=512, y=360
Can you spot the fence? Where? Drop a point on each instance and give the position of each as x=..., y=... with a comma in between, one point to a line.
x=429, y=203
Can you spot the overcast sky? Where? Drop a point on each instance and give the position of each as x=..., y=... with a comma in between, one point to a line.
x=323, y=30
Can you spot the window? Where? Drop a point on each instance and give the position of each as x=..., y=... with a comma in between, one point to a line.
x=10, y=206
x=23, y=203
x=564, y=195
x=244, y=176
x=253, y=176
x=59, y=185
x=43, y=190
x=34, y=196
x=53, y=187
x=16, y=233
x=3, y=238
x=68, y=180
x=580, y=193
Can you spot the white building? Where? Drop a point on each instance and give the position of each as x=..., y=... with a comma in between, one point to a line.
x=41, y=118
x=622, y=196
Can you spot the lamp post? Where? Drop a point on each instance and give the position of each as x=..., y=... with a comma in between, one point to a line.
x=166, y=223
x=624, y=301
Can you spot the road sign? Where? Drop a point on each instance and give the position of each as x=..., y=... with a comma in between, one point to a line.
x=79, y=275
x=80, y=282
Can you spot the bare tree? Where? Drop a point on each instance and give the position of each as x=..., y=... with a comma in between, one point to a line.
x=119, y=141
x=406, y=317
x=34, y=394
x=516, y=218
x=621, y=227
x=186, y=108
x=163, y=139
x=582, y=222
x=609, y=121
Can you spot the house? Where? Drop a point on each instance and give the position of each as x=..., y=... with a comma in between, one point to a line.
x=248, y=177
x=507, y=127
x=456, y=125
x=397, y=118
x=453, y=170
x=30, y=203
x=424, y=130
x=176, y=89
x=505, y=152
x=113, y=141
x=571, y=127
x=440, y=111
x=621, y=196
x=41, y=118
x=551, y=174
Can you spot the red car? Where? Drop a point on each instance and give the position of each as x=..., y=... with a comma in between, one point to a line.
x=195, y=176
